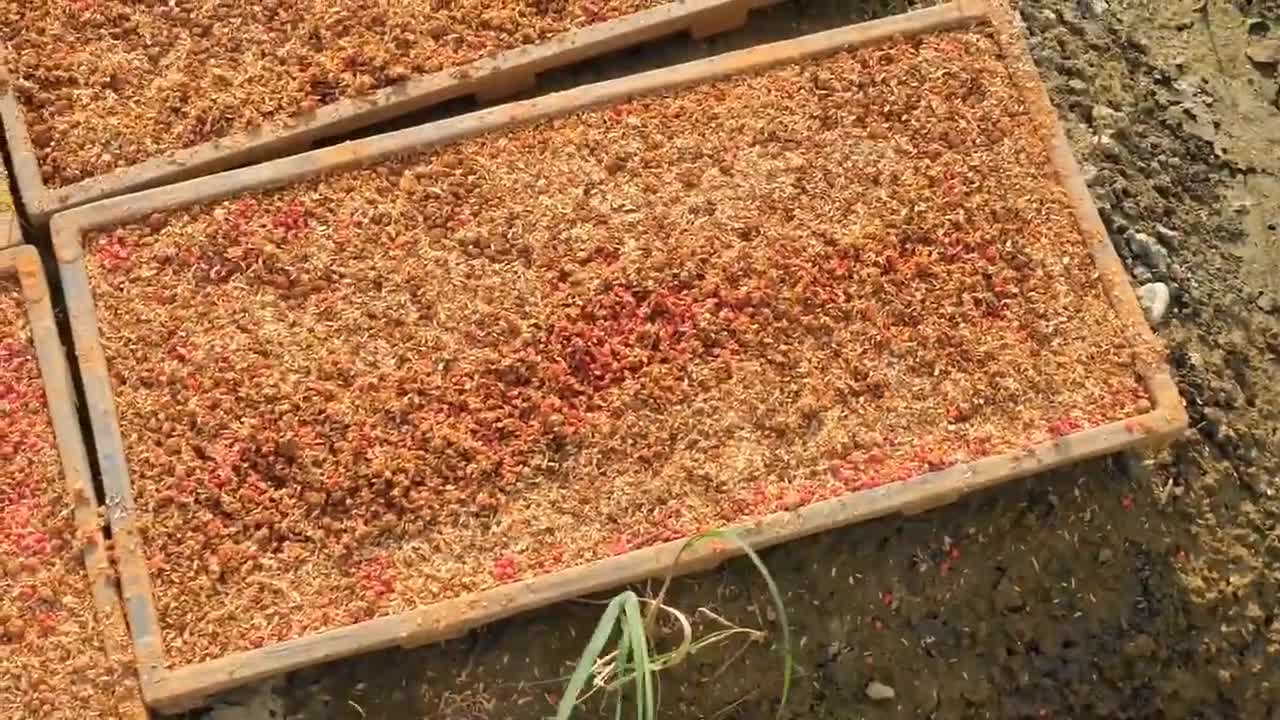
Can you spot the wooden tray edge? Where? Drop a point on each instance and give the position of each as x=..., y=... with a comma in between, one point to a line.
x=26, y=169
x=131, y=565
x=10, y=230
x=24, y=261
x=10, y=223
x=1115, y=278
x=188, y=686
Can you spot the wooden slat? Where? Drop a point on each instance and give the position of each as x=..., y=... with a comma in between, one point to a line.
x=26, y=169
x=10, y=231
x=131, y=566
x=178, y=688
x=489, y=79
x=24, y=262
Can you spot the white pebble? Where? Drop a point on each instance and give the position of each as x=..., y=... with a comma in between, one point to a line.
x=1154, y=298
x=879, y=691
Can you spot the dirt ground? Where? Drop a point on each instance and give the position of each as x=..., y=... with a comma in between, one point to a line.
x=1126, y=588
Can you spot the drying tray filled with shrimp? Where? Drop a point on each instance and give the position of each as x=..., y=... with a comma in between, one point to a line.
x=383, y=393
x=106, y=97
x=64, y=650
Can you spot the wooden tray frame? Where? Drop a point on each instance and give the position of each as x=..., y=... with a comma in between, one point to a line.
x=10, y=227
x=23, y=262
x=10, y=230
x=505, y=74
x=171, y=689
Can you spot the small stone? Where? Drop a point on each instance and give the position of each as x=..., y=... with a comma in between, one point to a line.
x=1108, y=146
x=41, y=137
x=879, y=691
x=1106, y=121
x=1167, y=236
x=1264, y=52
x=1154, y=298
x=1271, y=339
x=1149, y=250
x=1113, y=218
x=1215, y=425
x=1105, y=556
x=1267, y=303
x=1224, y=393
x=1039, y=17
x=1092, y=9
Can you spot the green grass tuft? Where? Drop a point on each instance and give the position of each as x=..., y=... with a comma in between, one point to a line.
x=633, y=666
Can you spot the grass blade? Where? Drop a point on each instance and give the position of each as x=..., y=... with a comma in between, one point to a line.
x=778, y=605
x=591, y=653
x=646, y=708
x=624, y=661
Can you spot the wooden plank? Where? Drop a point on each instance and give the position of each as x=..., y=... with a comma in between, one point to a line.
x=26, y=170
x=24, y=262
x=489, y=79
x=10, y=232
x=131, y=567
x=183, y=687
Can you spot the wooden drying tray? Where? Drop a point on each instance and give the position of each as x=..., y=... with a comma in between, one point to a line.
x=502, y=75
x=24, y=264
x=174, y=688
